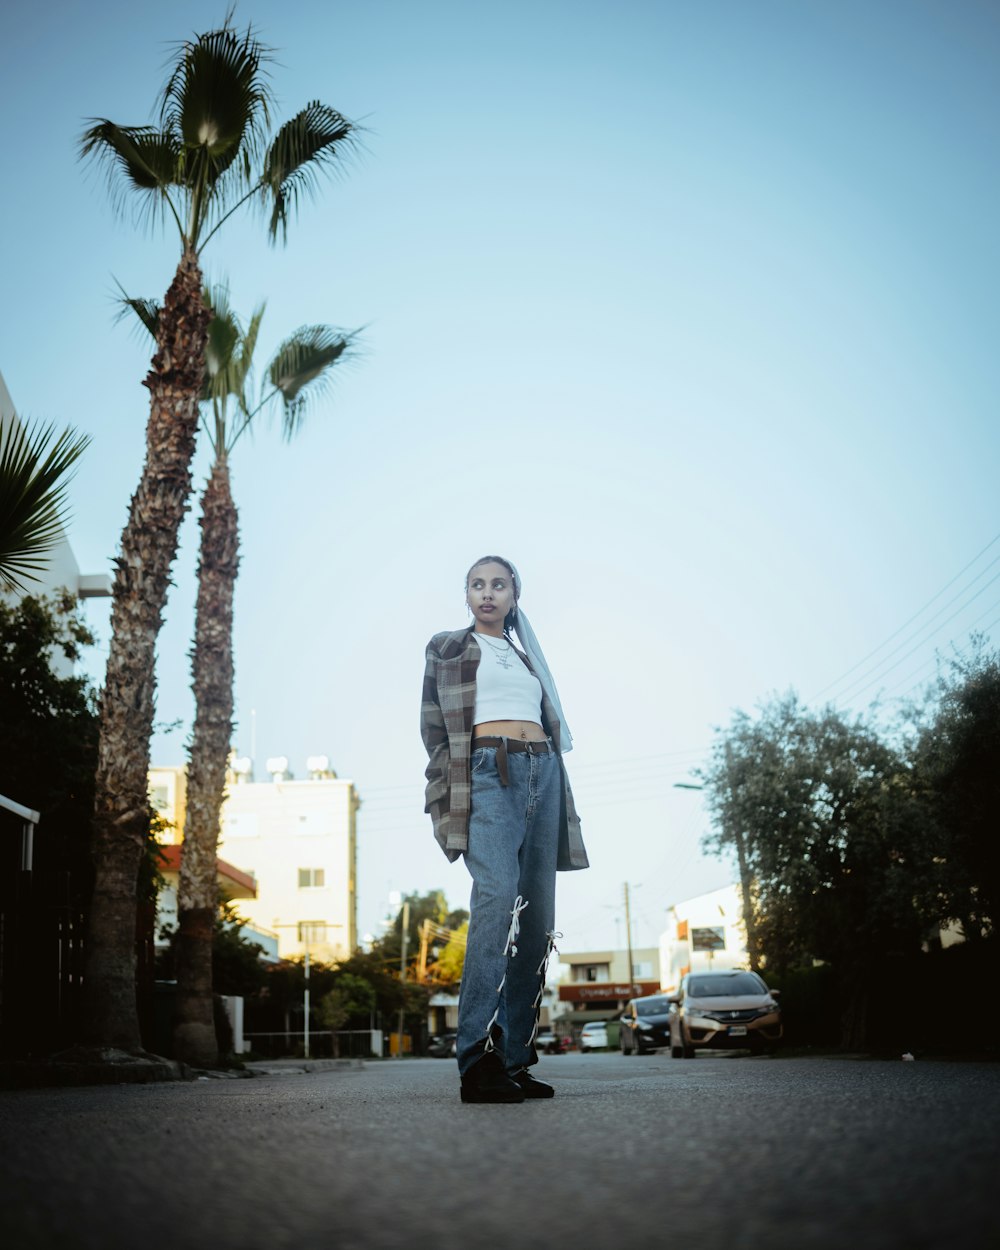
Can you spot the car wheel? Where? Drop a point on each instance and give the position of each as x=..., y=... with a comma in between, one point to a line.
x=687, y=1050
x=621, y=1043
x=676, y=1052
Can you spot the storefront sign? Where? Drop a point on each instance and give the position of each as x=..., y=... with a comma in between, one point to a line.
x=596, y=992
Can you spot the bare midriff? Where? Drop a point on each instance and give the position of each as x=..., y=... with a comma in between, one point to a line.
x=526, y=730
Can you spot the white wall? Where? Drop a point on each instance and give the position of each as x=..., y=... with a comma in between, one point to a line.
x=274, y=828
x=719, y=909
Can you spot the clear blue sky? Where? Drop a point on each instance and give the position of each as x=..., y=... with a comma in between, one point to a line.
x=688, y=309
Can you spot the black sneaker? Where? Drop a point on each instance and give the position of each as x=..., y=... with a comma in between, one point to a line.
x=531, y=1086
x=486, y=1081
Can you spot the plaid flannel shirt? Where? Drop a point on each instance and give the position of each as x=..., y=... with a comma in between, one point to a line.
x=447, y=714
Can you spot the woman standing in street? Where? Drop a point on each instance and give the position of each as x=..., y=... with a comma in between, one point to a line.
x=498, y=794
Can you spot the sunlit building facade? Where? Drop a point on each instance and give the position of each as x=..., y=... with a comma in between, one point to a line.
x=299, y=841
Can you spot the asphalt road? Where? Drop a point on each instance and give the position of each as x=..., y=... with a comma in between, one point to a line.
x=720, y=1152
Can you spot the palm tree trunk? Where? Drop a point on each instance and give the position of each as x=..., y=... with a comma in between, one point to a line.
x=120, y=826
x=212, y=669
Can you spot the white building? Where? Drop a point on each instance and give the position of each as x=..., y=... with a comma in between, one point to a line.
x=168, y=795
x=596, y=985
x=299, y=840
x=705, y=932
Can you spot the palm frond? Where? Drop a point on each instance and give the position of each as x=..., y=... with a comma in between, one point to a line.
x=229, y=360
x=310, y=143
x=249, y=344
x=221, y=351
x=33, y=482
x=301, y=370
x=146, y=310
x=216, y=104
x=135, y=159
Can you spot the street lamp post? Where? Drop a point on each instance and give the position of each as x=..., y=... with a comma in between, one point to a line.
x=744, y=869
x=298, y=926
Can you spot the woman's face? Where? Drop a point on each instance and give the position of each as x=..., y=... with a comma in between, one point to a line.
x=490, y=595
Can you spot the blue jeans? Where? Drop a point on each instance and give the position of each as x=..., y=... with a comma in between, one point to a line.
x=513, y=846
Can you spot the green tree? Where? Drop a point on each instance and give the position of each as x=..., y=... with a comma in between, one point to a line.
x=34, y=474
x=431, y=906
x=48, y=723
x=957, y=762
x=208, y=156
x=834, y=840
x=447, y=968
x=236, y=964
x=296, y=375
x=384, y=981
x=350, y=1002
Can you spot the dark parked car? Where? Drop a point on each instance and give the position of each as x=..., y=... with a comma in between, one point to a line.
x=442, y=1045
x=645, y=1025
x=723, y=1011
x=549, y=1044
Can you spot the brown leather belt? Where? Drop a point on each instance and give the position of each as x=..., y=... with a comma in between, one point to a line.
x=503, y=745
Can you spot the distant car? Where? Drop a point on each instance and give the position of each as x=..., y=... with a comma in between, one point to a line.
x=723, y=1011
x=547, y=1042
x=645, y=1025
x=442, y=1045
x=594, y=1036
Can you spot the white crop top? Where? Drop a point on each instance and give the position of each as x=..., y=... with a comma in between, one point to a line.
x=507, y=691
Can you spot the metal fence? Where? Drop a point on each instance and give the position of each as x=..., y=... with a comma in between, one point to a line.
x=43, y=924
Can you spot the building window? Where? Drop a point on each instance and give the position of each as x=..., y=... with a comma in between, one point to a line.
x=311, y=878
x=160, y=798
x=591, y=972
x=312, y=931
x=642, y=972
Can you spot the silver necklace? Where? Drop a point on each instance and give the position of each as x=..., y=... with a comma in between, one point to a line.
x=503, y=658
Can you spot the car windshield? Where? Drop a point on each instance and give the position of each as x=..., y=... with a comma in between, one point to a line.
x=652, y=1007
x=726, y=985
x=592, y=1028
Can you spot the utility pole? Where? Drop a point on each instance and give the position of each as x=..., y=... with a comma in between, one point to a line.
x=402, y=970
x=425, y=938
x=628, y=939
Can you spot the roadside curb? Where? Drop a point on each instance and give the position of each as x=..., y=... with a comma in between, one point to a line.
x=91, y=1066
x=300, y=1067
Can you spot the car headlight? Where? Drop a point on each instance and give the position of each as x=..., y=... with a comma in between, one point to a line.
x=644, y=1025
x=711, y=1016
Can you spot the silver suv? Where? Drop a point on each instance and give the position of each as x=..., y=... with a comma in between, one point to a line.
x=730, y=1010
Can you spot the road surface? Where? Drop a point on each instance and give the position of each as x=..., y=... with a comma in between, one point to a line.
x=741, y=1153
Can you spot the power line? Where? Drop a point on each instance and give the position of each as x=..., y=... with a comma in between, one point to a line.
x=987, y=629
x=933, y=599
x=854, y=690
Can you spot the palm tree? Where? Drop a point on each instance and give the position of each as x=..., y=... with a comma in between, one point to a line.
x=33, y=480
x=208, y=157
x=295, y=377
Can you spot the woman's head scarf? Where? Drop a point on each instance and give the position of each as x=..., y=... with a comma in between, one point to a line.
x=532, y=649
